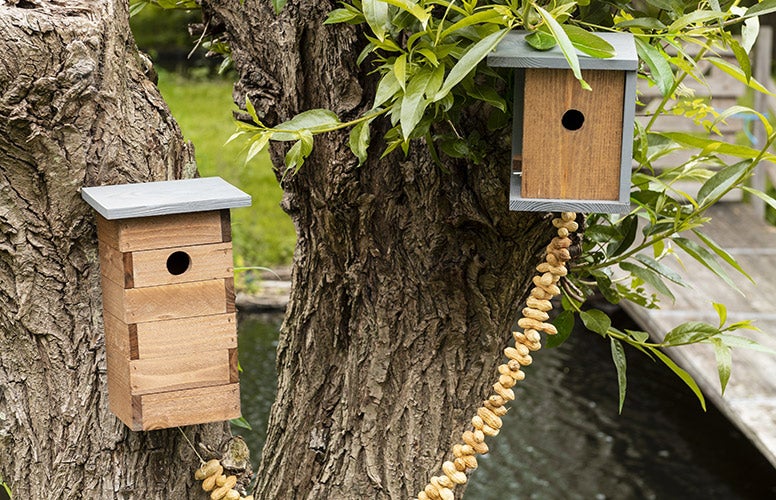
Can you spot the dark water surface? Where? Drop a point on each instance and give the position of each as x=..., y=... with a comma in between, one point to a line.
x=563, y=438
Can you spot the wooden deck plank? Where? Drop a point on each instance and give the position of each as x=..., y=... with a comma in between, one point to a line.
x=750, y=398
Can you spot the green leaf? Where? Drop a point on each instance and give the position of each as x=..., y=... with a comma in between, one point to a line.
x=721, y=182
x=314, y=120
x=596, y=321
x=661, y=268
x=359, y=140
x=724, y=362
x=638, y=335
x=469, y=61
x=744, y=343
x=618, y=356
x=241, y=422
x=694, y=17
x=719, y=147
x=414, y=105
x=376, y=15
x=645, y=23
x=722, y=253
x=705, y=258
x=762, y=8
x=686, y=377
x=692, y=331
x=341, y=16
x=658, y=65
x=649, y=276
x=278, y=5
x=589, y=43
x=413, y=8
x=721, y=312
x=400, y=71
x=565, y=45
x=628, y=227
x=604, y=283
x=299, y=152
x=767, y=199
x=564, y=323
x=134, y=9
x=258, y=143
x=481, y=17
x=252, y=111
x=541, y=40
x=749, y=31
x=742, y=58
x=386, y=89
x=738, y=74
x=430, y=56
x=488, y=94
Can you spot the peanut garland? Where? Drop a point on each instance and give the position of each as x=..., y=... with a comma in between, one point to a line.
x=220, y=486
x=487, y=421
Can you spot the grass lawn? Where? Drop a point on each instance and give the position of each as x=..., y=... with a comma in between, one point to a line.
x=263, y=234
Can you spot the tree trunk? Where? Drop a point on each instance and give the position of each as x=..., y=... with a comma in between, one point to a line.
x=76, y=110
x=406, y=278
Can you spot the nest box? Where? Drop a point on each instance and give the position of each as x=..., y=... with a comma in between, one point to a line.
x=571, y=148
x=168, y=300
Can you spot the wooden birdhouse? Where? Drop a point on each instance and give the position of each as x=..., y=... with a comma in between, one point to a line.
x=168, y=300
x=571, y=147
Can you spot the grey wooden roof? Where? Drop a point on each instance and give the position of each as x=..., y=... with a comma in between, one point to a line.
x=149, y=199
x=514, y=52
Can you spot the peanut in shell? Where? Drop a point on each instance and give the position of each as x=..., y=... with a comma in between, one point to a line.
x=207, y=469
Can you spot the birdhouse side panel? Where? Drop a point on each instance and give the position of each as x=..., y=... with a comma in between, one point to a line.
x=190, y=406
x=157, y=339
x=165, y=231
x=572, y=138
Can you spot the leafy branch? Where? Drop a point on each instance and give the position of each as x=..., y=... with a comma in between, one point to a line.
x=427, y=56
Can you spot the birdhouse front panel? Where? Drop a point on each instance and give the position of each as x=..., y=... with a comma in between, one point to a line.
x=571, y=147
x=168, y=302
x=572, y=137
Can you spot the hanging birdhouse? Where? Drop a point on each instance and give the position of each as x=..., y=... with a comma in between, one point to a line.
x=571, y=147
x=168, y=300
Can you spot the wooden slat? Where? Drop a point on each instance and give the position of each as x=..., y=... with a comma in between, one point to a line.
x=207, y=262
x=191, y=406
x=145, y=233
x=234, y=370
x=581, y=164
x=179, y=371
x=181, y=300
x=119, y=394
x=197, y=334
x=114, y=265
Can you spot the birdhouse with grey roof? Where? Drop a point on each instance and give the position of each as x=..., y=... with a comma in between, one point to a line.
x=168, y=300
x=571, y=147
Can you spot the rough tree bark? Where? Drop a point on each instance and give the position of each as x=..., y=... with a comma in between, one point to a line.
x=406, y=278
x=75, y=110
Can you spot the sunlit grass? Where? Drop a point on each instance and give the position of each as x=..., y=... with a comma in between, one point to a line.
x=263, y=234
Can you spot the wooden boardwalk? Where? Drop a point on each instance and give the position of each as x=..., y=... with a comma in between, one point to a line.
x=750, y=398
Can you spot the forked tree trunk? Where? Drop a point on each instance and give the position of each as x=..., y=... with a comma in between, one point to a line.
x=75, y=110
x=406, y=279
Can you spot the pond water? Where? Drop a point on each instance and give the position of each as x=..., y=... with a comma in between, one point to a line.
x=563, y=438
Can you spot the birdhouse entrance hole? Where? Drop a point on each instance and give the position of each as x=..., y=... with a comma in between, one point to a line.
x=178, y=263
x=572, y=119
